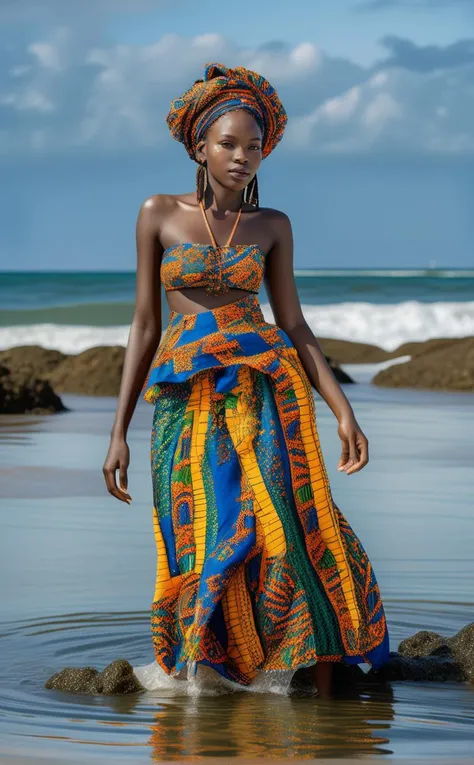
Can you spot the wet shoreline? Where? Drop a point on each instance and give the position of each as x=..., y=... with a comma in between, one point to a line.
x=81, y=567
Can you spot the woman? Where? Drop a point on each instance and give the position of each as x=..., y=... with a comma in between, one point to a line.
x=258, y=569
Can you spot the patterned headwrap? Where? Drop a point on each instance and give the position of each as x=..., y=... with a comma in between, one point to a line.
x=223, y=90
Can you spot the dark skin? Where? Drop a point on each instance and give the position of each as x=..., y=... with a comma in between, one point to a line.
x=234, y=141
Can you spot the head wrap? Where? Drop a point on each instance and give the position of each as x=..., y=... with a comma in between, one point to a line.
x=223, y=90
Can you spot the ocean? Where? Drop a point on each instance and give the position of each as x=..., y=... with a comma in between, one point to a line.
x=79, y=568
x=74, y=311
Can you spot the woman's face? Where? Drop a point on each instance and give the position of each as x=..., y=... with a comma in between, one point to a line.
x=232, y=149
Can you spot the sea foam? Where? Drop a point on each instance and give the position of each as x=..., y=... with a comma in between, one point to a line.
x=387, y=326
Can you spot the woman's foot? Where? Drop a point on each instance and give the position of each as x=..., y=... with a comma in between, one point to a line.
x=322, y=678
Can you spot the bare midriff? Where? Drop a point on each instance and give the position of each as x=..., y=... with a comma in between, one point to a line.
x=196, y=300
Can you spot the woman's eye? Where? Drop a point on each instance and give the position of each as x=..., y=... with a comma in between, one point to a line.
x=226, y=143
x=257, y=148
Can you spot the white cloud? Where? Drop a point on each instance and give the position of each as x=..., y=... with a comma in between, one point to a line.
x=46, y=54
x=341, y=108
x=305, y=56
x=283, y=65
x=397, y=110
x=60, y=94
x=119, y=96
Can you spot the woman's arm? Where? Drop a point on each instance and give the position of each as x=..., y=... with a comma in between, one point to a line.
x=143, y=340
x=286, y=307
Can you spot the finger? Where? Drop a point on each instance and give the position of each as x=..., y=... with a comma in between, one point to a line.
x=353, y=455
x=112, y=488
x=362, y=459
x=344, y=455
x=123, y=480
x=354, y=451
x=364, y=450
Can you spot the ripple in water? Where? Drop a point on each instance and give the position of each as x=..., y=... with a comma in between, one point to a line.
x=186, y=720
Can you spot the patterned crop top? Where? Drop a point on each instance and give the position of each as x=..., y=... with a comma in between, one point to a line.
x=217, y=269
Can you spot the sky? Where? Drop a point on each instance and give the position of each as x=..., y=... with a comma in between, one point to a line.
x=375, y=170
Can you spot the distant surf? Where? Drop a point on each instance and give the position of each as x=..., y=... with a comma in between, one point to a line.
x=387, y=326
x=73, y=311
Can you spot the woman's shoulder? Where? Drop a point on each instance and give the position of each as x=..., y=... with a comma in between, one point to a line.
x=160, y=202
x=277, y=220
x=271, y=213
x=157, y=207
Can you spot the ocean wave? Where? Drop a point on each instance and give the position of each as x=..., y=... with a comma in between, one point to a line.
x=63, y=337
x=388, y=273
x=387, y=326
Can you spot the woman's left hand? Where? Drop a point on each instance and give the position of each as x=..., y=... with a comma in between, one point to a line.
x=355, y=447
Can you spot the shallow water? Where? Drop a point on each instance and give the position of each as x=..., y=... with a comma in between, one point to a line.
x=80, y=569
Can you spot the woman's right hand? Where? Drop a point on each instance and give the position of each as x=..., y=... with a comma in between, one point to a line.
x=118, y=458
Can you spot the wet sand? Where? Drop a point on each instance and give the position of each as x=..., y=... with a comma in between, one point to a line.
x=80, y=572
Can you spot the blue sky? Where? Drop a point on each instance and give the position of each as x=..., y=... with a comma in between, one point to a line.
x=375, y=169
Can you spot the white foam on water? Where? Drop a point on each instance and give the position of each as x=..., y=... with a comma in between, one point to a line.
x=63, y=337
x=204, y=681
x=387, y=326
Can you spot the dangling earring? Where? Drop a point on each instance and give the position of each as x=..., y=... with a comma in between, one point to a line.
x=201, y=182
x=251, y=192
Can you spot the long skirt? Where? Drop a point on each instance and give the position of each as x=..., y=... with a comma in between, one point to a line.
x=257, y=568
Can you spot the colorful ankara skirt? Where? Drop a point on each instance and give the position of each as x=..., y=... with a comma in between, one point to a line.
x=257, y=567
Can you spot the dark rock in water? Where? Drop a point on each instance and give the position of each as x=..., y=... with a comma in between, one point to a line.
x=421, y=644
x=118, y=677
x=115, y=678
x=20, y=392
x=429, y=644
x=423, y=668
x=426, y=657
x=462, y=646
x=339, y=373
x=76, y=680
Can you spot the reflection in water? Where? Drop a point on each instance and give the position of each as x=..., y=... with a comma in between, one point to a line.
x=185, y=721
x=245, y=725
x=80, y=568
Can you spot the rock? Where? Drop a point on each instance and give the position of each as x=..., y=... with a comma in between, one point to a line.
x=427, y=668
x=426, y=346
x=37, y=361
x=339, y=373
x=20, y=392
x=424, y=657
x=348, y=352
x=115, y=678
x=76, y=680
x=450, y=367
x=95, y=372
x=460, y=647
x=118, y=677
x=421, y=644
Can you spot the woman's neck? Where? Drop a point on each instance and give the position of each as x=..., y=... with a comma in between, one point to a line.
x=222, y=200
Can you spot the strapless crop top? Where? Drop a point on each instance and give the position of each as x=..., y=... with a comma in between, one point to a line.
x=217, y=269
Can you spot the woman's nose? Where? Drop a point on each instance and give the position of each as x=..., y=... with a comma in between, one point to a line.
x=240, y=156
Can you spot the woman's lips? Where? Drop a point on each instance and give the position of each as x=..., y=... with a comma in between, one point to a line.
x=239, y=174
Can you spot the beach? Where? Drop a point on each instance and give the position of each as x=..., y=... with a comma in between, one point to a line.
x=79, y=566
